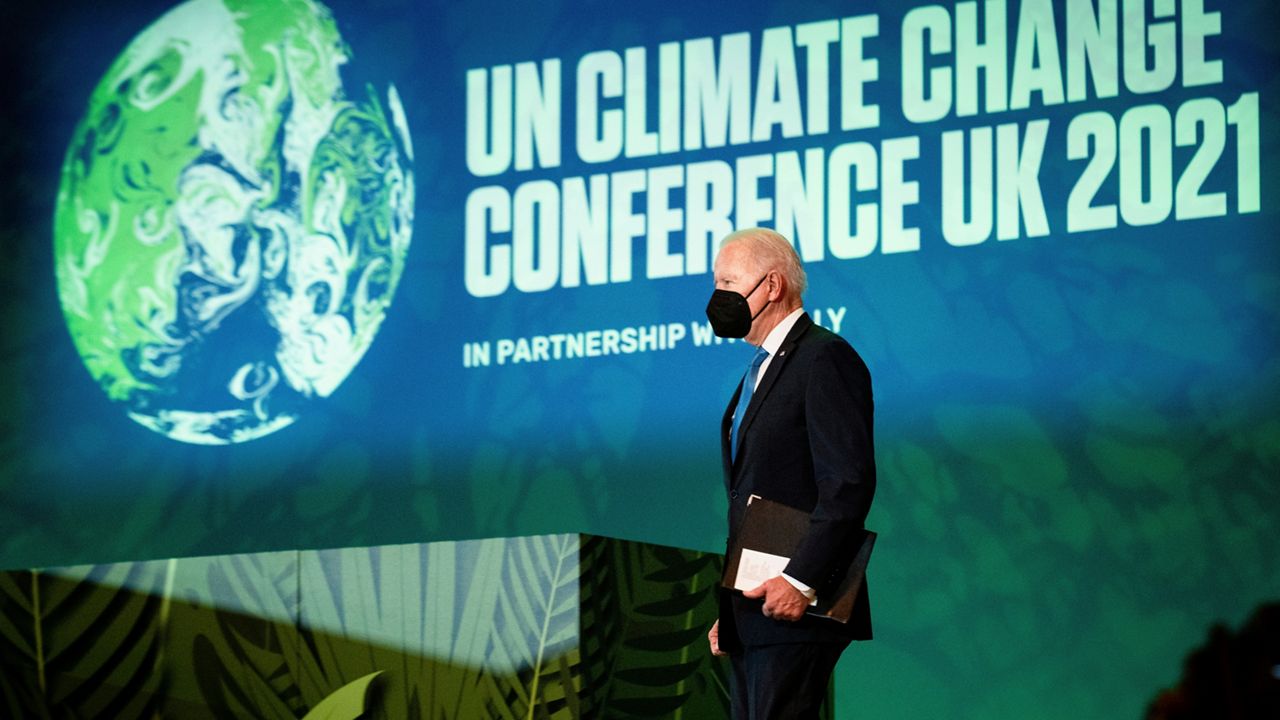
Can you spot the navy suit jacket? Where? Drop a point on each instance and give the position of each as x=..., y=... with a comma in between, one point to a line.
x=805, y=441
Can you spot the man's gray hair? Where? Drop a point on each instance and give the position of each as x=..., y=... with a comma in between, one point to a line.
x=771, y=251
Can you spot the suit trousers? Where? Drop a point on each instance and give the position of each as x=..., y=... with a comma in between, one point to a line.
x=782, y=682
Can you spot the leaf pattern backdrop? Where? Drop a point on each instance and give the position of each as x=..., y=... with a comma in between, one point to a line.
x=556, y=626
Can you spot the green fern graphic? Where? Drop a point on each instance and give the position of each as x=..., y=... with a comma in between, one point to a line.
x=549, y=628
x=84, y=642
x=654, y=660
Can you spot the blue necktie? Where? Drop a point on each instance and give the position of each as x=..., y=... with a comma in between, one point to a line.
x=748, y=389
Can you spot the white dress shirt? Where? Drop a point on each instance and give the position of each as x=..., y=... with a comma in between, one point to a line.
x=774, y=339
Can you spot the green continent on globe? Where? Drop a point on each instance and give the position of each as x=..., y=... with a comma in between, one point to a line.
x=230, y=227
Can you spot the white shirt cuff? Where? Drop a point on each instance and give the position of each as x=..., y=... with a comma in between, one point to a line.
x=805, y=590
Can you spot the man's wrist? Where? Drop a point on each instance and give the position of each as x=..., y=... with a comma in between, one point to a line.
x=808, y=592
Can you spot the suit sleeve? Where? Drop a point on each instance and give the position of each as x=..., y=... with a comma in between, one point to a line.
x=838, y=418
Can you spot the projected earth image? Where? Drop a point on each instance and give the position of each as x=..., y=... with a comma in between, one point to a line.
x=230, y=226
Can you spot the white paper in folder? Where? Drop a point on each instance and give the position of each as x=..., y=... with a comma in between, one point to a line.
x=755, y=567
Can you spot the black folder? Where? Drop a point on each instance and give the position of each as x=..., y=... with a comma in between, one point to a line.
x=777, y=529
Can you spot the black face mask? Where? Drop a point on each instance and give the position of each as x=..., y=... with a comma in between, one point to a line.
x=730, y=314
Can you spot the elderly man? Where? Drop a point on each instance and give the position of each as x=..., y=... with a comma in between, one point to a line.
x=797, y=431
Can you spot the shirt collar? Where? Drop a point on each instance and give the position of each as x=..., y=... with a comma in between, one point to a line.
x=774, y=339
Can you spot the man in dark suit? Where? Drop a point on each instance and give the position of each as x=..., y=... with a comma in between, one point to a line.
x=798, y=431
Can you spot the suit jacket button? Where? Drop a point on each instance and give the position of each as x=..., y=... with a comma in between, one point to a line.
x=733, y=494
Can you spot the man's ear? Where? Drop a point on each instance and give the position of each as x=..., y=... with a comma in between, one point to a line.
x=776, y=283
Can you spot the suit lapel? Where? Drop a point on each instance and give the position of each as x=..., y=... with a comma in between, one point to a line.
x=776, y=367
x=725, y=424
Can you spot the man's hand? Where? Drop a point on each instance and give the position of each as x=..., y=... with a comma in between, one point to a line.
x=782, y=601
x=713, y=637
